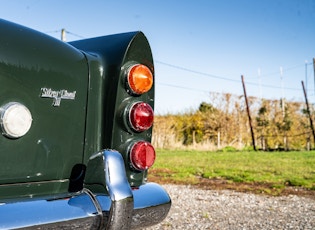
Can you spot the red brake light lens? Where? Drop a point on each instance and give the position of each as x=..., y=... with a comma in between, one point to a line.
x=141, y=116
x=142, y=155
x=140, y=79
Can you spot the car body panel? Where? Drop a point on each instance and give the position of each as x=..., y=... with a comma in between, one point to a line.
x=72, y=168
x=29, y=62
x=109, y=58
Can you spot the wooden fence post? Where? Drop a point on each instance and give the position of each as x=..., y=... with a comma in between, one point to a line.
x=248, y=113
x=308, y=112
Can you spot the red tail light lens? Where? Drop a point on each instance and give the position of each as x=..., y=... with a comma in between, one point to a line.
x=141, y=116
x=140, y=79
x=142, y=155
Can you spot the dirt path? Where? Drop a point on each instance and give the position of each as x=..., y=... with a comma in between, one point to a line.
x=255, y=188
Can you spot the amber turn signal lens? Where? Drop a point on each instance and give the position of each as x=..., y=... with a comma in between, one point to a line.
x=142, y=155
x=140, y=79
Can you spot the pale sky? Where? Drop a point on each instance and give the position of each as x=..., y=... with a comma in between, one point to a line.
x=198, y=46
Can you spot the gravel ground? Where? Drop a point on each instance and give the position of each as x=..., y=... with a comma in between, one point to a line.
x=210, y=209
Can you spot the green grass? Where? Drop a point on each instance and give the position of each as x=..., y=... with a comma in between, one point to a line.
x=279, y=169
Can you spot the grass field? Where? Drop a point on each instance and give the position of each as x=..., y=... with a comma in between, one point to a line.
x=277, y=169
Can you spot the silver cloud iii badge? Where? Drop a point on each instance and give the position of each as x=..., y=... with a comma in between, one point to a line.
x=57, y=95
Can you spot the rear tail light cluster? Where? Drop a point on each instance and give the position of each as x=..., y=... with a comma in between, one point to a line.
x=140, y=116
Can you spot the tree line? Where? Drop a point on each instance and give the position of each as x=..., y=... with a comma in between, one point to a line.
x=223, y=123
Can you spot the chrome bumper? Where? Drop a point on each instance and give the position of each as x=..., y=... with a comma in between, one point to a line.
x=123, y=208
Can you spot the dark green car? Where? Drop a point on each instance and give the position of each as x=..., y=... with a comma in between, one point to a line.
x=76, y=123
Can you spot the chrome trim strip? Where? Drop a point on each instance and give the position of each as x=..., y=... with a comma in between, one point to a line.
x=120, y=214
x=123, y=208
x=35, y=214
x=150, y=195
x=106, y=174
x=115, y=174
x=151, y=205
x=34, y=183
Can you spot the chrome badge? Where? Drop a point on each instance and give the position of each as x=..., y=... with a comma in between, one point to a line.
x=57, y=95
